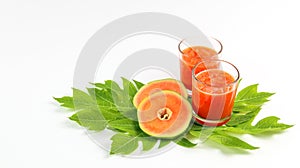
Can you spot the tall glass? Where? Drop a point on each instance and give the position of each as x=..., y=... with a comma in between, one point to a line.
x=213, y=91
x=194, y=50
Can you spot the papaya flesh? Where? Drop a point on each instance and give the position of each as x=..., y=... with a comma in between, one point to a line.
x=164, y=114
x=159, y=85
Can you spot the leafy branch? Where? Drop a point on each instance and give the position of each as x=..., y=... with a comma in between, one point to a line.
x=109, y=106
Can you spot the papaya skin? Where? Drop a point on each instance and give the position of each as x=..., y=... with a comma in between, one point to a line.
x=158, y=85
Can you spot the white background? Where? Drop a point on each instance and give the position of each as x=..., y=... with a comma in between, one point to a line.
x=41, y=41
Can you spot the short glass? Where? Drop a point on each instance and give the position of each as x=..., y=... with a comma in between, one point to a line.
x=194, y=50
x=214, y=89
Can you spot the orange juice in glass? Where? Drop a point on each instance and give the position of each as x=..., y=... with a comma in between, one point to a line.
x=213, y=91
x=192, y=51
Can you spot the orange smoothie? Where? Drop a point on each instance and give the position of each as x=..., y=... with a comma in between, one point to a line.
x=213, y=96
x=190, y=57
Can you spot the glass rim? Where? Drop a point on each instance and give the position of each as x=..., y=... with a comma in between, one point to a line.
x=216, y=60
x=219, y=52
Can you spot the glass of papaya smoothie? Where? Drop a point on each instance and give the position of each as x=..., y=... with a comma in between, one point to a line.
x=193, y=50
x=214, y=86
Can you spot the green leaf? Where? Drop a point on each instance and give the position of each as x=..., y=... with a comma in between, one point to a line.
x=163, y=143
x=90, y=119
x=138, y=84
x=82, y=100
x=111, y=115
x=65, y=101
x=202, y=132
x=116, y=101
x=247, y=105
x=100, y=95
x=219, y=136
x=103, y=99
x=247, y=92
x=148, y=143
x=110, y=96
x=244, y=108
x=249, y=99
x=230, y=141
x=195, y=133
x=129, y=88
x=185, y=143
x=126, y=125
x=123, y=144
x=113, y=97
x=109, y=85
x=257, y=99
x=238, y=119
x=267, y=125
x=271, y=124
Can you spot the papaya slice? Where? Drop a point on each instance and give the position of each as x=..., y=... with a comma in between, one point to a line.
x=159, y=85
x=164, y=114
